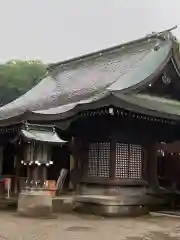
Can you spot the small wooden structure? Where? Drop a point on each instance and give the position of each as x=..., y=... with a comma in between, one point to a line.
x=115, y=107
x=28, y=163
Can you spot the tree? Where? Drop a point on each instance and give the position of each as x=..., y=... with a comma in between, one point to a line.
x=17, y=77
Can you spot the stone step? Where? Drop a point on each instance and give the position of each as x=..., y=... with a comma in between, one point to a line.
x=63, y=204
x=166, y=214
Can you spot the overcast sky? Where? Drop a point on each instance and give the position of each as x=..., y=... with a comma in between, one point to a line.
x=54, y=30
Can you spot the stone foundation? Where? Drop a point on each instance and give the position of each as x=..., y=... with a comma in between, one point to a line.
x=35, y=204
x=112, y=210
x=63, y=204
x=114, y=201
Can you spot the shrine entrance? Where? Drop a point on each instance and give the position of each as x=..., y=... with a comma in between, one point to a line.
x=168, y=166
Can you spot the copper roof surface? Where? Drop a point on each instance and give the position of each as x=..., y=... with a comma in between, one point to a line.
x=91, y=78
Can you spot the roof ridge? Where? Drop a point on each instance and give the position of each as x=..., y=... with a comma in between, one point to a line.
x=165, y=34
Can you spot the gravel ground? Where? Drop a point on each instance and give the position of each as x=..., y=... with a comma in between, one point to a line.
x=70, y=227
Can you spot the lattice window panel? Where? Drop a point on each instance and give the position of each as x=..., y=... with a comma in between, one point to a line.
x=93, y=159
x=99, y=159
x=104, y=159
x=135, y=161
x=121, y=160
x=129, y=161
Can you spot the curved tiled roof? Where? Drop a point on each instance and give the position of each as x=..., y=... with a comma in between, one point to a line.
x=85, y=79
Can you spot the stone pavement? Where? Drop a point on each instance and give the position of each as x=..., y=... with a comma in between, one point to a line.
x=70, y=227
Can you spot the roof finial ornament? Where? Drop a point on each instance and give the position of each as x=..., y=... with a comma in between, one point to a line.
x=167, y=33
x=169, y=30
x=157, y=47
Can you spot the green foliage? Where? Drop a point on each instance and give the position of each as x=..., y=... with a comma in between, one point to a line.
x=17, y=77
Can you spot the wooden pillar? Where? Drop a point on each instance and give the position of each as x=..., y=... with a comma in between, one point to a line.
x=1, y=158
x=28, y=174
x=151, y=166
x=17, y=173
x=35, y=175
x=44, y=174
x=75, y=159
